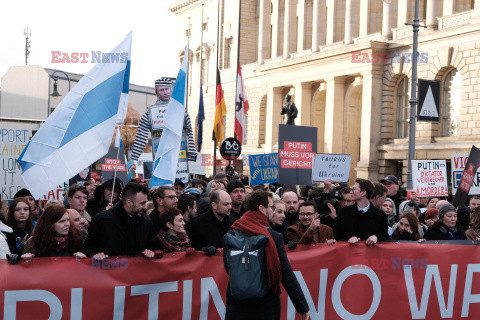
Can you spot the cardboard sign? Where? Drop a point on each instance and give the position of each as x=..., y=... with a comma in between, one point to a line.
x=331, y=166
x=263, y=168
x=430, y=178
x=57, y=193
x=182, y=172
x=110, y=163
x=297, y=147
x=197, y=167
x=458, y=165
x=12, y=143
x=468, y=176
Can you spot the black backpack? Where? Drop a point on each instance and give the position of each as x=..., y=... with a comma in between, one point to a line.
x=245, y=257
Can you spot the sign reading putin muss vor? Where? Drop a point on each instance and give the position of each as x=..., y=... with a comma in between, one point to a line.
x=297, y=147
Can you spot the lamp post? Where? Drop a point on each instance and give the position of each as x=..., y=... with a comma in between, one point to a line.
x=55, y=92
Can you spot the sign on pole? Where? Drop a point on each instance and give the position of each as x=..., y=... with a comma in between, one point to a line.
x=331, y=166
x=430, y=178
x=12, y=143
x=110, y=164
x=263, y=168
x=297, y=147
x=467, y=178
x=428, y=101
x=458, y=165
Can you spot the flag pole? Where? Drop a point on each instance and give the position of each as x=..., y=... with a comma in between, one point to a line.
x=216, y=90
x=116, y=163
x=238, y=63
x=188, y=67
x=201, y=49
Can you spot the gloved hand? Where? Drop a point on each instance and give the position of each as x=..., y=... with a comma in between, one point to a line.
x=159, y=254
x=210, y=250
x=13, y=258
x=292, y=245
x=189, y=251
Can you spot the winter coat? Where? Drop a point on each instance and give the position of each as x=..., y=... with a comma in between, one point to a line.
x=207, y=230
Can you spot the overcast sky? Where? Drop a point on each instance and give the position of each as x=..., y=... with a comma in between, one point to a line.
x=85, y=26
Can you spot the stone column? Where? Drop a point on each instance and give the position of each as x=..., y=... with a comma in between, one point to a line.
x=289, y=27
x=263, y=30
x=275, y=19
x=367, y=167
x=301, y=25
x=387, y=22
x=364, y=16
x=273, y=117
x=334, y=114
x=348, y=21
x=303, y=102
x=448, y=7
x=318, y=24
x=402, y=13
x=476, y=10
x=431, y=18
x=330, y=36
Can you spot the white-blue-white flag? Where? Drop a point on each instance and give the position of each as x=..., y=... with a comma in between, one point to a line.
x=80, y=130
x=118, y=139
x=166, y=157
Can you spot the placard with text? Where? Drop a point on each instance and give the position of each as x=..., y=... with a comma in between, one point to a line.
x=430, y=178
x=297, y=146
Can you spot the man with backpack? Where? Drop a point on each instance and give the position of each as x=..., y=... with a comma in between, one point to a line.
x=256, y=261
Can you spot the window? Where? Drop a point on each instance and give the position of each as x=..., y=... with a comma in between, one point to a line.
x=403, y=109
x=228, y=53
x=451, y=103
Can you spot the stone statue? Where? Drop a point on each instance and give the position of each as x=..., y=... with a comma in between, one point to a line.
x=289, y=111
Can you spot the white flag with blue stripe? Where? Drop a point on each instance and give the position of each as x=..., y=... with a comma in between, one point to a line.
x=80, y=130
x=166, y=157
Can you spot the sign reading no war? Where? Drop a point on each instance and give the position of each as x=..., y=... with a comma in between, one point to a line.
x=263, y=168
x=331, y=166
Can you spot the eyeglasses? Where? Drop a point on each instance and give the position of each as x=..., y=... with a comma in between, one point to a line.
x=307, y=213
x=171, y=197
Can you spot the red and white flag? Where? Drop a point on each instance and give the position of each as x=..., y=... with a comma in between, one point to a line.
x=241, y=109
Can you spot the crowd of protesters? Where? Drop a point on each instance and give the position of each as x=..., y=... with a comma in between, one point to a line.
x=110, y=219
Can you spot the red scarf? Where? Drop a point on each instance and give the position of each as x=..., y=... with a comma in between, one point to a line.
x=254, y=223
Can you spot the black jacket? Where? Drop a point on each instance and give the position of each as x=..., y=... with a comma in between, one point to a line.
x=268, y=307
x=439, y=232
x=115, y=233
x=350, y=222
x=206, y=230
x=154, y=224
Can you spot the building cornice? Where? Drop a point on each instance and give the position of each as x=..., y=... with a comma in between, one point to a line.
x=181, y=5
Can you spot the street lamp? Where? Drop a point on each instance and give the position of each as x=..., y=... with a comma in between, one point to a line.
x=55, y=92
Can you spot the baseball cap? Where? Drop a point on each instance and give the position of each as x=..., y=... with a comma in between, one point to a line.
x=390, y=179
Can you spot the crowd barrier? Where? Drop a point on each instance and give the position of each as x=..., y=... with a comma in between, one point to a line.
x=386, y=281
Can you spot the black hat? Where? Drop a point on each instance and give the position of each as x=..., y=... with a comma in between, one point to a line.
x=390, y=179
x=22, y=193
x=234, y=184
x=179, y=182
x=164, y=81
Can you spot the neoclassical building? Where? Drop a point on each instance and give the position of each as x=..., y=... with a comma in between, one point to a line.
x=347, y=65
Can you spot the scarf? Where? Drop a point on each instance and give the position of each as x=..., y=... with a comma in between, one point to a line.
x=61, y=243
x=172, y=243
x=254, y=223
x=451, y=232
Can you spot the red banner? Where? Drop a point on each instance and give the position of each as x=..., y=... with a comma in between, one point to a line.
x=387, y=281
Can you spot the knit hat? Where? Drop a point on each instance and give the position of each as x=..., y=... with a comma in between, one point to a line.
x=22, y=193
x=444, y=209
x=234, y=184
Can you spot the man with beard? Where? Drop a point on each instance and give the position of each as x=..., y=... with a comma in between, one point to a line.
x=163, y=198
x=309, y=230
x=123, y=229
x=236, y=190
x=391, y=182
x=291, y=208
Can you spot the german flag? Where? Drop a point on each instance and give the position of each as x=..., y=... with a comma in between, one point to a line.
x=220, y=112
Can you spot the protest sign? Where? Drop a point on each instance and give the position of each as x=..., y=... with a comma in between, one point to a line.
x=197, y=167
x=468, y=176
x=263, y=168
x=110, y=163
x=430, y=178
x=458, y=165
x=386, y=281
x=57, y=193
x=331, y=166
x=12, y=143
x=297, y=147
x=182, y=172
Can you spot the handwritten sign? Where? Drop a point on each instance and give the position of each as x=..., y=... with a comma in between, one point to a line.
x=430, y=178
x=57, y=193
x=263, y=168
x=331, y=166
x=12, y=143
x=458, y=165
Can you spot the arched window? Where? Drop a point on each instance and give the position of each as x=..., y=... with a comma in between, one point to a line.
x=451, y=103
x=403, y=108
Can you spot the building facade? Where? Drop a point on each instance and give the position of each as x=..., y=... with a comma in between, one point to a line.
x=347, y=65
